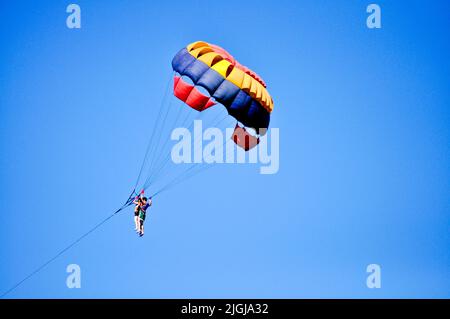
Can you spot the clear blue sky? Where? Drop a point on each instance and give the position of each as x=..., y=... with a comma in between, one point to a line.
x=364, y=166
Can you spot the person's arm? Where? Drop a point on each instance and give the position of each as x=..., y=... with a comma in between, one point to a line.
x=137, y=200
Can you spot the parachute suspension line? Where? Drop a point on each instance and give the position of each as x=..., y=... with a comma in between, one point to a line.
x=163, y=148
x=175, y=181
x=61, y=252
x=165, y=160
x=184, y=175
x=162, y=163
x=156, y=146
x=185, y=121
x=160, y=174
x=190, y=170
x=201, y=167
x=145, y=160
x=195, y=172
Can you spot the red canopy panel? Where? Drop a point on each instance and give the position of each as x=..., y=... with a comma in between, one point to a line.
x=244, y=139
x=190, y=95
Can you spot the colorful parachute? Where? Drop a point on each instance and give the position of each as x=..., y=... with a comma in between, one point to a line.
x=239, y=89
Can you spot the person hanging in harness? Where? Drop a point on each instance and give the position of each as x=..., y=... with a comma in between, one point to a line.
x=138, y=202
x=145, y=204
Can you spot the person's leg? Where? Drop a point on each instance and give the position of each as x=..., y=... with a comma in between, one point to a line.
x=136, y=223
x=136, y=219
x=141, y=227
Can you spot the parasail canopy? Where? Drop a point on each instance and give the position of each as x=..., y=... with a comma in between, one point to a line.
x=239, y=89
